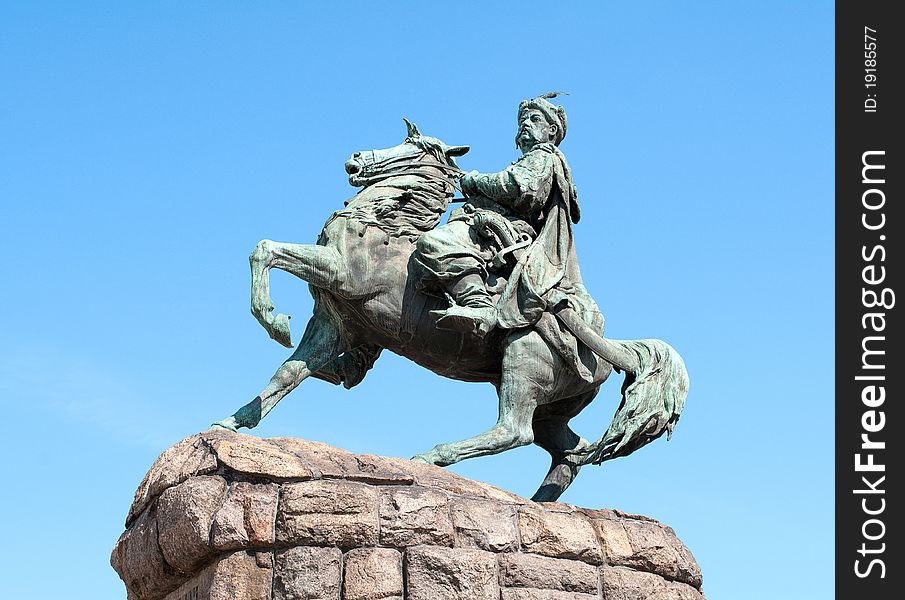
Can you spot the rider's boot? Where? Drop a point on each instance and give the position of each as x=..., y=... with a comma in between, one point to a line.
x=473, y=310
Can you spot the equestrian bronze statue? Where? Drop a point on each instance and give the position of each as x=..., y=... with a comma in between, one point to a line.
x=493, y=295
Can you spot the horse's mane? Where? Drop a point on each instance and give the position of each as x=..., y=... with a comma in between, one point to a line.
x=408, y=198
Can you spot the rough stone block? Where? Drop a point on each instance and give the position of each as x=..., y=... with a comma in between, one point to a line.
x=247, y=517
x=187, y=458
x=291, y=508
x=558, y=534
x=340, y=464
x=328, y=512
x=541, y=572
x=253, y=456
x=373, y=574
x=413, y=516
x=560, y=507
x=484, y=524
x=307, y=573
x=613, y=540
x=621, y=583
x=651, y=549
x=492, y=492
x=634, y=517
x=644, y=544
x=439, y=478
x=140, y=563
x=687, y=568
x=184, y=514
x=436, y=573
x=237, y=576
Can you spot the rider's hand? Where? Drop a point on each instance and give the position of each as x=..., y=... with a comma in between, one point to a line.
x=467, y=183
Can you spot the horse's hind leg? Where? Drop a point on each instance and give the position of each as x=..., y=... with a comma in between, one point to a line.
x=552, y=433
x=320, y=345
x=527, y=375
x=321, y=266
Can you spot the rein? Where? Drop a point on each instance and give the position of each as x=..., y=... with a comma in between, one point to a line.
x=406, y=164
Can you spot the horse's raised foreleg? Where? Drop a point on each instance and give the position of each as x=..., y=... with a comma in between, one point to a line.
x=320, y=266
x=527, y=377
x=320, y=345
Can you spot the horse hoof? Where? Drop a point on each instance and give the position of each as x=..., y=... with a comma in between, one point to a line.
x=279, y=331
x=548, y=493
x=436, y=457
x=224, y=424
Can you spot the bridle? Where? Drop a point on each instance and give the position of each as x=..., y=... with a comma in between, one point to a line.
x=411, y=163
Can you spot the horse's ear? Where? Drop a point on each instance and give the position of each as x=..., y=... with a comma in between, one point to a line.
x=412, y=128
x=457, y=150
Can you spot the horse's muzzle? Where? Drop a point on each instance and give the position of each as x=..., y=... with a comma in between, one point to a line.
x=352, y=166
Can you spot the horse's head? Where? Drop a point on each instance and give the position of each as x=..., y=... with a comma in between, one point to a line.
x=416, y=151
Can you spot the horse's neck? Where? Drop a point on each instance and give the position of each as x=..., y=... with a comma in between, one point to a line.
x=407, y=204
x=391, y=186
x=385, y=189
x=369, y=195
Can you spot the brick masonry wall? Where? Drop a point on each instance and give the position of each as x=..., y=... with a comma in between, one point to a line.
x=223, y=515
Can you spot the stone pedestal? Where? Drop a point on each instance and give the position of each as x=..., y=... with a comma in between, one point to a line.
x=223, y=515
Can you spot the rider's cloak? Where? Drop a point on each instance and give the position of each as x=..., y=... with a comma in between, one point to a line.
x=547, y=273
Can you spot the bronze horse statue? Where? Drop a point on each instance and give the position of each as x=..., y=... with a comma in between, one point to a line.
x=365, y=300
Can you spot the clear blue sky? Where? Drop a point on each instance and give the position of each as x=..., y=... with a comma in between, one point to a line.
x=145, y=149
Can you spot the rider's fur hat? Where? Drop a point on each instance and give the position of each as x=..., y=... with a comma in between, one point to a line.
x=555, y=115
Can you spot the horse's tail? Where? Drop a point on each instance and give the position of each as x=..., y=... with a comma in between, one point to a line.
x=652, y=398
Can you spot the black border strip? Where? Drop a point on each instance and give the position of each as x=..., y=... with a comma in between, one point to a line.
x=869, y=266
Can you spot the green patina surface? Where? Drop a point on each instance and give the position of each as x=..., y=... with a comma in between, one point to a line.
x=494, y=294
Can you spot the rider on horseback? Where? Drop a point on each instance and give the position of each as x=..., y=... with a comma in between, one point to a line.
x=547, y=357
x=537, y=201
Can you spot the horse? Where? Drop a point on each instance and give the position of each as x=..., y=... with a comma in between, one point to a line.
x=366, y=299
